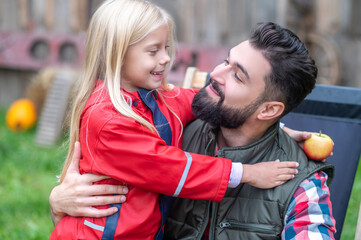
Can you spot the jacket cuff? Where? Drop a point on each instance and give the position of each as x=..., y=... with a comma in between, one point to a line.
x=236, y=175
x=225, y=180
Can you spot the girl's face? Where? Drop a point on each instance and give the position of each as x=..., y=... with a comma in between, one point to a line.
x=145, y=61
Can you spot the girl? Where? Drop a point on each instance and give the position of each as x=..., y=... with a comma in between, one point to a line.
x=129, y=50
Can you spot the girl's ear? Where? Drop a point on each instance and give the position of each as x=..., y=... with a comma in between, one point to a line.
x=271, y=110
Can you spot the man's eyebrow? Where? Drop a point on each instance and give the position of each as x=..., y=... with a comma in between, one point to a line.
x=243, y=70
x=240, y=66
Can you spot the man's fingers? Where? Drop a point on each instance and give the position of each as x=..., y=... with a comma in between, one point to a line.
x=104, y=189
x=105, y=212
x=102, y=200
x=91, y=178
x=74, y=164
x=94, y=212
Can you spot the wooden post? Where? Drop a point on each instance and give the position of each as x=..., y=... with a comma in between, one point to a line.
x=49, y=14
x=74, y=20
x=187, y=22
x=79, y=15
x=83, y=13
x=24, y=14
x=224, y=27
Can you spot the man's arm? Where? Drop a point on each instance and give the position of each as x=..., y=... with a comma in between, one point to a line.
x=77, y=195
x=309, y=215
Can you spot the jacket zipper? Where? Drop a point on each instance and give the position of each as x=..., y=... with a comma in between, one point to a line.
x=203, y=228
x=242, y=226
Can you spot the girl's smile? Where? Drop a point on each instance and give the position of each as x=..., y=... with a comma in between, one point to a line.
x=145, y=61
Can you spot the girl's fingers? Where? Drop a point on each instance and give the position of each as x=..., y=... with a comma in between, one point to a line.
x=287, y=164
x=285, y=177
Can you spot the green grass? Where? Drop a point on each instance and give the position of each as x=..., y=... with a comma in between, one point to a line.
x=28, y=175
x=349, y=226
x=26, y=179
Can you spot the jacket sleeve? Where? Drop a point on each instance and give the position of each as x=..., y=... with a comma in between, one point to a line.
x=128, y=152
x=186, y=106
x=181, y=98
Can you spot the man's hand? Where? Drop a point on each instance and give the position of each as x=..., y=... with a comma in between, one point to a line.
x=269, y=174
x=77, y=195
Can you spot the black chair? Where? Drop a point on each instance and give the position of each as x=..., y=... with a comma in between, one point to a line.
x=336, y=111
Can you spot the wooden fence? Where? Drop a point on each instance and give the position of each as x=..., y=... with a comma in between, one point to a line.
x=210, y=23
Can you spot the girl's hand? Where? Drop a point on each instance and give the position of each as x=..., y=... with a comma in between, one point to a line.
x=269, y=174
x=300, y=137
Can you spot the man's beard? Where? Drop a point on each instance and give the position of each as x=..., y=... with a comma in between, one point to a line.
x=214, y=113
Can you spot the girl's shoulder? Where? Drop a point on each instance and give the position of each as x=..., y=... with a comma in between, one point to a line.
x=101, y=115
x=99, y=107
x=179, y=100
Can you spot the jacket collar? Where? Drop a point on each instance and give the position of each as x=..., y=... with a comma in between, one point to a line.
x=251, y=153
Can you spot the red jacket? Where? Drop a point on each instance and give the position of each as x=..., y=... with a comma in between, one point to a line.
x=119, y=147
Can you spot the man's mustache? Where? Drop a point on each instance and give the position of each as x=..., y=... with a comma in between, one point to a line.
x=217, y=88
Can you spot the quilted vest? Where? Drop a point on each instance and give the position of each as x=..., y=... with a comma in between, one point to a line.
x=245, y=212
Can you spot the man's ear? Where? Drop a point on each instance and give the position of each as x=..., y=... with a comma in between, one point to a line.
x=271, y=110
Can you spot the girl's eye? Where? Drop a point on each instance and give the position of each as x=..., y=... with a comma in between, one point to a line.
x=166, y=47
x=226, y=62
x=153, y=52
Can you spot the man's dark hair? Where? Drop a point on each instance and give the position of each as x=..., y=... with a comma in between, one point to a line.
x=293, y=72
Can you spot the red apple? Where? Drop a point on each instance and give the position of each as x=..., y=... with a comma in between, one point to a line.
x=318, y=147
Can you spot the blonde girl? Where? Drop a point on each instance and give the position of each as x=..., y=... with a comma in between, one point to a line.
x=121, y=96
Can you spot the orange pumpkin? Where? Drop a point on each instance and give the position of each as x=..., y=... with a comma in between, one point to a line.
x=21, y=115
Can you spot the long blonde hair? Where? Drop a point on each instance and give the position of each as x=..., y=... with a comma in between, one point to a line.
x=116, y=25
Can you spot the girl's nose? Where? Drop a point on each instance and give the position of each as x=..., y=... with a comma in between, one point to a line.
x=165, y=59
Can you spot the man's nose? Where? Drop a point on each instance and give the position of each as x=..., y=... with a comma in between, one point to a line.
x=219, y=73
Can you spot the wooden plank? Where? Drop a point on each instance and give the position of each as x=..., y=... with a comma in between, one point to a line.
x=52, y=116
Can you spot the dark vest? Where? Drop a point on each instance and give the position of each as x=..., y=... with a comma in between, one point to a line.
x=245, y=212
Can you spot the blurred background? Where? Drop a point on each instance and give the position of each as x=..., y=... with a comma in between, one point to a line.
x=42, y=50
